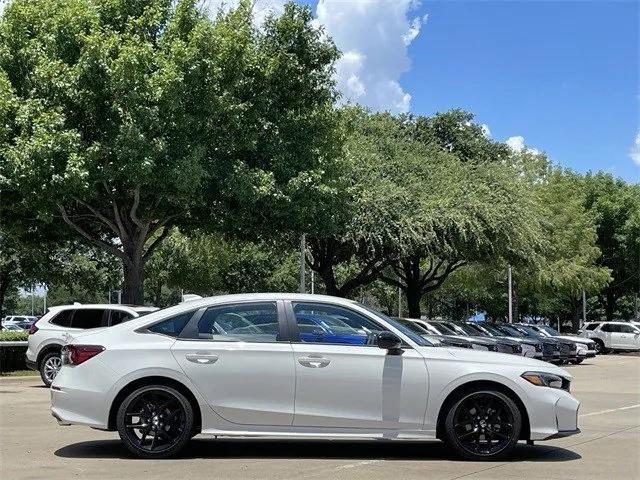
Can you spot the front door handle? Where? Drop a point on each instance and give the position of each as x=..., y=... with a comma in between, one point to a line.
x=202, y=358
x=314, y=361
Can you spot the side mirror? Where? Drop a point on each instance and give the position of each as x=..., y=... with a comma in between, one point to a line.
x=389, y=341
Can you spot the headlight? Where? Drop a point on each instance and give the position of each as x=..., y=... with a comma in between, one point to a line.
x=475, y=346
x=542, y=379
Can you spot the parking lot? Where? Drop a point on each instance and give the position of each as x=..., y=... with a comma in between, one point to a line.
x=34, y=446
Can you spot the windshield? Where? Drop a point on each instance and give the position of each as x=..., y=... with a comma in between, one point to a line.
x=418, y=339
x=510, y=330
x=549, y=330
x=411, y=325
x=442, y=328
x=472, y=330
x=491, y=329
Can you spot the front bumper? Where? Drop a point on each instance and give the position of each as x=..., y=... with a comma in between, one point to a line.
x=563, y=433
x=552, y=413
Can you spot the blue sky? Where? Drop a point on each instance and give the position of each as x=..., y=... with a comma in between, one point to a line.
x=561, y=74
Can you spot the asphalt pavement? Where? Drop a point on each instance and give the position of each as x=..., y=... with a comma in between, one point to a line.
x=33, y=446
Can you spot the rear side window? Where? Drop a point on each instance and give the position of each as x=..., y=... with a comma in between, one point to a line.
x=62, y=319
x=592, y=326
x=172, y=326
x=255, y=322
x=87, y=318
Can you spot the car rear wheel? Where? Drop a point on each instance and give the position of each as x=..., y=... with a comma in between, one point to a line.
x=155, y=421
x=49, y=367
x=483, y=425
x=600, y=348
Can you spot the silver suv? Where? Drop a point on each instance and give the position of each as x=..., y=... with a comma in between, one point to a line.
x=53, y=330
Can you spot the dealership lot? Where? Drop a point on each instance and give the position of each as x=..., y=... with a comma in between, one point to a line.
x=32, y=445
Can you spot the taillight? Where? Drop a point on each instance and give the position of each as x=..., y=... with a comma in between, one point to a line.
x=77, y=354
x=33, y=329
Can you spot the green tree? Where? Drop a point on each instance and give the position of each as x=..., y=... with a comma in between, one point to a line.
x=616, y=206
x=135, y=116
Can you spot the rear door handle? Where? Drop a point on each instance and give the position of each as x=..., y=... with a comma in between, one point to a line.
x=314, y=361
x=202, y=358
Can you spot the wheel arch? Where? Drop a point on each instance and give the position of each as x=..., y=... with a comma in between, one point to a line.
x=476, y=385
x=155, y=380
x=51, y=347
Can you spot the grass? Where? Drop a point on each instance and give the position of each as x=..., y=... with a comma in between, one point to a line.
x=19, y=373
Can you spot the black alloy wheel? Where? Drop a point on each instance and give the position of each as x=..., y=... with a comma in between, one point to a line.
x=483, y=425
x=155, y=421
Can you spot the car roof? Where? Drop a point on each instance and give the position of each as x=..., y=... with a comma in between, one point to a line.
x=114, y=306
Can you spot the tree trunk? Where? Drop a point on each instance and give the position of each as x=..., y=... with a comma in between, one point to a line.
x=133, y=270
x=610, y=305
x=413, y=302
x=577, y=315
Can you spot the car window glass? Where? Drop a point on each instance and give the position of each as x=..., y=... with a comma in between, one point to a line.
x=334, y=324
x=627, y=329
x=62, y=319
x=592, y=326
x=119, y=316
x=172, y=326
x=87, y=318
x=254, y=322
x=610, y=327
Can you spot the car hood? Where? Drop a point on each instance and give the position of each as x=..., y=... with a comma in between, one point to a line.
x=575, y=339
x=476, y=340
x=495, y=358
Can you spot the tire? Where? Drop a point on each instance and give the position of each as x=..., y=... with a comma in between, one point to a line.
x=577, y=361
x=461, y=428
x=165, y=414
x=600, y=347
x=49, y=367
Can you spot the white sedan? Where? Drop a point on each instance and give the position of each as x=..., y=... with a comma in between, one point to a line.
x=300, y=366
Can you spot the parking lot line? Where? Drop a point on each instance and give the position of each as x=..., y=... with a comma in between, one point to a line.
x=629, y=407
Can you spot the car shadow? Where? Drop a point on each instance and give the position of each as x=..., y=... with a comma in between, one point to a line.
x=316, y=450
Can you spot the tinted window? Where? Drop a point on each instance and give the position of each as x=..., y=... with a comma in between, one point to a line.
x=627, y=329
x=592, y=326
x=443, y=329
x=119, y=316
x=414, y=327
x=254, y=322
x=610, y=327
x=336, y=325
x=172, y=326
x=62, y=319
x=87, y=318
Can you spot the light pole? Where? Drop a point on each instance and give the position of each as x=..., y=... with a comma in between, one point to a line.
x=303, y=248
x=510, y=297
x=584, y=308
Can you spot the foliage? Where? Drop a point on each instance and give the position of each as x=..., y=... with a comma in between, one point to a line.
x=13, y=336
x=130, y=117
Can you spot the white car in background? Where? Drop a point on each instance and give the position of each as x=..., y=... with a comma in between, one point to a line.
x=300, y=366
x=48, y=335
x=613, y=335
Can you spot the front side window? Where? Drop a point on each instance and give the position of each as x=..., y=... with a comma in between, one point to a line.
x=87, y=318
x=255, y=322
x=610, y=327
x=334, y=325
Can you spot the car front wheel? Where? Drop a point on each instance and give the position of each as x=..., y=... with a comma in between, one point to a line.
x=483, y=425
x=155, y=421
x=49, y=367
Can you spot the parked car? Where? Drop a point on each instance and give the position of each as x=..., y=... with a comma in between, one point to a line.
x=454, y=338
x=436, y=339
x=586, y=348
x=503, y=345
x=53, y=330
x=531, y=347
x=165, y=377
x=12, y=327
x=612, y=335
x=550, y=346
x=24, y=322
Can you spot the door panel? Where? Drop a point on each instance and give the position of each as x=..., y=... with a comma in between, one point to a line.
x=234, y=356
x=359, y=387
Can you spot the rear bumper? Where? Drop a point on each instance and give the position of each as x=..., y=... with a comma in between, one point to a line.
x=30, y=363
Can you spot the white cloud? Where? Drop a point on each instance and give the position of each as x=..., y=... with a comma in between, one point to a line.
x=486, y=131
x=517, y=144
x=634, y=152
x=373, y=36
